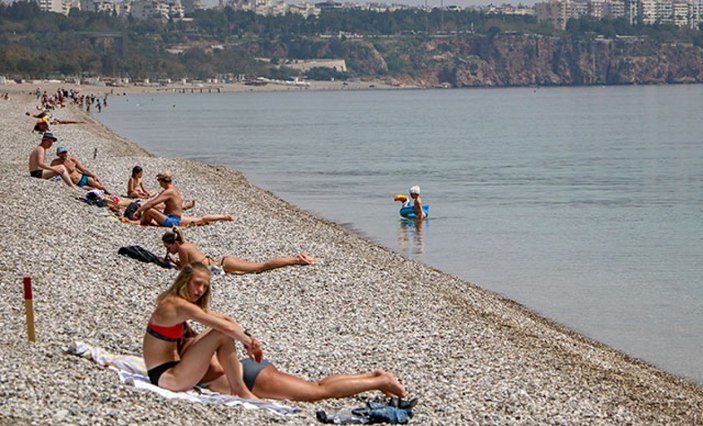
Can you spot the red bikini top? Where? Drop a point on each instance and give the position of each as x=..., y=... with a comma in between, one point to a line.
x=169, y=334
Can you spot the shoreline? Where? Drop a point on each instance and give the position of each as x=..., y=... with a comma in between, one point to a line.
x=470, y=354
x=26, y=87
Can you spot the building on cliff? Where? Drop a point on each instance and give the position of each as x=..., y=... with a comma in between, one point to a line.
x=58, y=6
x=682, y=13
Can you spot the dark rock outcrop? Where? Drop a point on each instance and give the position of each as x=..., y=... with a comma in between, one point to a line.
x=527, y=60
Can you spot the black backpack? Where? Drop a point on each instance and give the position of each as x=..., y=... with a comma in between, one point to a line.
x=143, y=255
x=129, y=211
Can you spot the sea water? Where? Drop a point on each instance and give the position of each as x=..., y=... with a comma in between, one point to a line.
x=585, y=204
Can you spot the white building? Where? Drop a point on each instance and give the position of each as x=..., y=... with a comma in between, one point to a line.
x=615, y=8
x=56, y=6
x=145, y=9
x=648, y=12
x=578, y=8
x=556, y=12
x=665, y=12
x=306, y=9
x=681, y=13
x=190, y=6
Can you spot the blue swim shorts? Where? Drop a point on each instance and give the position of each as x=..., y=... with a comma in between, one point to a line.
x=172, y=221
x=84, y=181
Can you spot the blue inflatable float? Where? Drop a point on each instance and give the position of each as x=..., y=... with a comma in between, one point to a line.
x=407, y=211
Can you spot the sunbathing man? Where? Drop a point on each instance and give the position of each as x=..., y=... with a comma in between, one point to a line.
x=175, y=243
x=39, y=169
x=172, y=214
x=80, y=175
x=211, y=359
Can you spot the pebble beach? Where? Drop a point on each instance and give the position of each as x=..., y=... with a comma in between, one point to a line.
x=470, y=355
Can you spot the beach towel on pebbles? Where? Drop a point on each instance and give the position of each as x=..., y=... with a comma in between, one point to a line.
x=132, y=371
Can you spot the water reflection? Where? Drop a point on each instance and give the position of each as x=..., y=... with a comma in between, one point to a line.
x=411, y=236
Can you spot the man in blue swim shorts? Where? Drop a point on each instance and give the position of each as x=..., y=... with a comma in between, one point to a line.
x=170, y=196
x=80, y=175
x=172, y=214
x=171, y=221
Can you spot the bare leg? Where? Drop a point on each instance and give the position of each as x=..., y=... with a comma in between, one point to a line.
x=235, y=264
x=150, y=216
x=196, y=361
x=92, y=183
x=190, y=220
x=48, y=174
x=220, y=384
x=273, y=384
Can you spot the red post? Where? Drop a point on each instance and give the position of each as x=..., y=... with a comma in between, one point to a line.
x=29, y=309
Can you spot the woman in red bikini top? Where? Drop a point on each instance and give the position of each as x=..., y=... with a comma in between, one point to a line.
x=175, y=243
x=187, y=299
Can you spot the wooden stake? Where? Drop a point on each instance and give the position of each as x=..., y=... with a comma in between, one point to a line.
x=29, y=309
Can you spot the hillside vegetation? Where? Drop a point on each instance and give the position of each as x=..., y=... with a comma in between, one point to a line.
x=426, y=48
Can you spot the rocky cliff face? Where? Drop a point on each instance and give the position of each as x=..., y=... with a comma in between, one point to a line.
x=525, y=60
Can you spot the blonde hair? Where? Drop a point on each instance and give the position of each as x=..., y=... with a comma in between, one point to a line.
x=179, y=287
x=175, y=235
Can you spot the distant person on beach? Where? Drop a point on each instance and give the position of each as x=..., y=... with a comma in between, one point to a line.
x=417, y=202
x=39, y=169
x=188, y=299
x=175, y=243
x=210, y=358
x=172, y=215
x=42, y=123
x=81, y=176
x=135, y=186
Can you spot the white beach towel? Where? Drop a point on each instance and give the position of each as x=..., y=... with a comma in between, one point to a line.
x=132, y=371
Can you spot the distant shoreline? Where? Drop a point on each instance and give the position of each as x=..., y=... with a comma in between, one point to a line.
x=30, y=87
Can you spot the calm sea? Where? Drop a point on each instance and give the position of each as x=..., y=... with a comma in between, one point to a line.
x=585, y=204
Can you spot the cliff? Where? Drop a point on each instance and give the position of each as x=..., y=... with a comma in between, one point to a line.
x=526, y=60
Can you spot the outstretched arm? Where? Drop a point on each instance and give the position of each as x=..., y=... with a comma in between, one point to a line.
x=220, y=322
x=151, y=203
x=84, y=169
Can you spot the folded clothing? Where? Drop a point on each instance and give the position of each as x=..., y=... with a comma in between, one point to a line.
x=143, y=255
x=372, y=412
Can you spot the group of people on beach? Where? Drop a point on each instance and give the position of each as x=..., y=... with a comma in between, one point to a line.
x=59, y=99
x=176, y=357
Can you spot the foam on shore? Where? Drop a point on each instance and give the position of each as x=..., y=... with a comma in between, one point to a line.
x=472, y=356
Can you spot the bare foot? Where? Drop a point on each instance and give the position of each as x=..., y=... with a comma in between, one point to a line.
x=392, y=387
x=189, y=205
x=305, y=259
x=244, y=393
x=228, y=217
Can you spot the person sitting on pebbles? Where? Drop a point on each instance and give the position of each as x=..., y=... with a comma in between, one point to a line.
x=39, y=169
x=81, y=176
x=187, y=299
x=172, y=214
x=135, y=186
x=175, y=243
x=178, y=359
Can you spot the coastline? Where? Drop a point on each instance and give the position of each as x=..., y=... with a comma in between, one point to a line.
x=51, y=87
x=472, y=356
